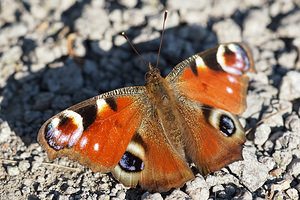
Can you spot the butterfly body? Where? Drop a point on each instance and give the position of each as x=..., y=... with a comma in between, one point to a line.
x=147, y=134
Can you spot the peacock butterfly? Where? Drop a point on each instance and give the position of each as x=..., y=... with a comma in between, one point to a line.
x=146, y=134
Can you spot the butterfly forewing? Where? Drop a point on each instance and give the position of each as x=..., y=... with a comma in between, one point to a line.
x=97, y=131
x=215, y=77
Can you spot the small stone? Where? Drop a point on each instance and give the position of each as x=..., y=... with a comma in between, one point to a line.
x=218, y=11
x=105, y=45
x=177, y=194
x=282, y=158
x=13, y=170
x=227, y=31
x=250, y=172
x=289, y=88
x=119, y=40
x=195, y=17
x=262, y=134
x=4, y=132
x=134, y=17
x=281, y=7
x=288, y=59
x=128, y=3
x=290, y=25
x=293, y=193
x=292, y=123
x=197, y=188
x=294, y=168
x=254, y=28
x=187, y=5
x=149, y=196
x=24, y=165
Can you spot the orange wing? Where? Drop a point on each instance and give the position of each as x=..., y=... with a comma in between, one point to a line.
x=95, y=132
x=215, y=77
x=213, y=137
x=152, y=161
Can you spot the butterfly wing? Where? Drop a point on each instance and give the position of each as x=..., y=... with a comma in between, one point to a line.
x=214, y=137
x=95, y=132
x=151, y=160
x=208, y=87
x=215, y=77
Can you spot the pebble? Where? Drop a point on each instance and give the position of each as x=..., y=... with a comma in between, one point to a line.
x=128, y=3
x=289, y=88
x=4, y=132
x=262, y=134
x=149, y=196
x=250, y=172
x=197, y=188
x=24, y=165
x=227, y=35
x=13, y=170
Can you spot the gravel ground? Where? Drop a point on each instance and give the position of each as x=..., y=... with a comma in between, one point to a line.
x=39, y=78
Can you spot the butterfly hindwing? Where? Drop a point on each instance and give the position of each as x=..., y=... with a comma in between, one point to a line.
x=215, y=77
x=213, y=137
x=162, y=167
x=95, y=132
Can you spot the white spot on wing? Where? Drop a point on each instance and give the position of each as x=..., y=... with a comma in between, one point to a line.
x=229, y=90
x=55, y=133
x=83, y=142
x=232, y=79
x=96, y=147
x=199, y=61
x=101, y=103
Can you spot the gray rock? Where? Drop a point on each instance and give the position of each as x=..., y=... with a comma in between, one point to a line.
x=262, y=134
x=292, y=123
x=290, y=26
x=10, y=34
x=281, y=7
x=134, y=17
x=187, y=5
x=218, y=10
x=96, y=29
x=292, y=193
x=288, y=59
x=282, y=158
x=149, y=196
x=197, y=188
x=4, y=131
x=128, y=3
x=289, y=88
x=195, y=17
x=255, y=26
x=177, y=194
x=293, y=170
x=13, y=170
x=250, y=172
x=289, y=141
x=227, y=31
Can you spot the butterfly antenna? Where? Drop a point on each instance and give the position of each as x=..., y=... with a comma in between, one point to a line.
x=162, y=35
x=134, y=49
